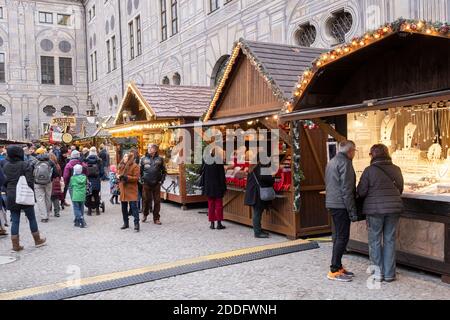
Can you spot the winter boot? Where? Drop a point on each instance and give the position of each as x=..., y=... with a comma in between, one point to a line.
x=89, y=213
x=136, y=227
x=97, y=211
x=82, y=223
x=76, y=223
x=212, y=227
x=117, y=200
x=16, y=244
x=38, y=241
x=3, y=232
x=220, y=226
x=112, y=200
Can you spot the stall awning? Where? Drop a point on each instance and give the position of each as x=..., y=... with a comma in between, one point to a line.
x=225, y=121
x=392, y=102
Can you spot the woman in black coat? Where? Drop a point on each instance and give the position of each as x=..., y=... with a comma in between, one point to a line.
x=381, y=187
x=214, y=187
x=14, y=168
x=253, y=198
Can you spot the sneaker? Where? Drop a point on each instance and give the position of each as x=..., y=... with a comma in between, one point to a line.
x=389, y=280
x=347, y=273
x=338, y=276
x=83, y=224
x=57, y=215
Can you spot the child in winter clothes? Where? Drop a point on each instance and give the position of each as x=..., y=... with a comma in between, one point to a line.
x=78, y=188
x=113, y=184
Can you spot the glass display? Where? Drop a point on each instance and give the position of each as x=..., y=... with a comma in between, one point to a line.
x=418, y=138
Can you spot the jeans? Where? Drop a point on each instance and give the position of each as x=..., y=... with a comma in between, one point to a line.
x=43, y=199
x=15, y=218
x=78, y=210
x=134, y=211
x=382, y=237
x=258, y=210
x=215, y=209
x=152, y=194
x=56, y=205
x=341, y=237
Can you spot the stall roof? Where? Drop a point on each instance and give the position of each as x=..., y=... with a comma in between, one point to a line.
x=279, y=64
x=378, y=104
x=165, y=101
x=225, y=121
x=391, y=61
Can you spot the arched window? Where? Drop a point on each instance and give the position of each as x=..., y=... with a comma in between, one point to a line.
x=339, y=25
x=67, y=111
x=165, y=80
x=2, y=109
x=306, y=35
x=176, y=79
x=219, y=70
x=49, y=110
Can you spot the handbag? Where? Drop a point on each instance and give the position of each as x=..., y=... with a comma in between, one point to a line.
x=266, y=193
x=24, y=194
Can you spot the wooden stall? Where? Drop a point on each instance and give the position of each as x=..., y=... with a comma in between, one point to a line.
x=257, y=82
x=144, y=117
x=392, y=86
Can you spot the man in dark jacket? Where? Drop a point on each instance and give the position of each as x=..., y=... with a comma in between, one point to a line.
x=95, y=171
x=14, y=168
x=104, y=156
x=381, y=187
x=44, y=173
x=340, y=180
x=153, y=174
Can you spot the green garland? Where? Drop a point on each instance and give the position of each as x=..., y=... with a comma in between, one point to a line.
x=298, y=175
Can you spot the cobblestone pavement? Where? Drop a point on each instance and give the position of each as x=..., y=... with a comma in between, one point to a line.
x=103, y=248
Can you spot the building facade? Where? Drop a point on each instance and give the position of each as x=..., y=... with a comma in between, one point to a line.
x=60, y=57
x=187, y=41
x=42, y=65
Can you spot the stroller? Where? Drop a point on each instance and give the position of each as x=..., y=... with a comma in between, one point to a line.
x=92, y=204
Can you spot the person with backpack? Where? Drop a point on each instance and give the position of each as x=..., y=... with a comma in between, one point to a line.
x=380, y=189
x=153, y=174
x=44, y=173
x=3, y=220
x=94, y=168
x=14, y=169
x=78, y=187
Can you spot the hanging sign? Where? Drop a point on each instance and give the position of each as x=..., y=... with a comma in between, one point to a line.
x=64, y=122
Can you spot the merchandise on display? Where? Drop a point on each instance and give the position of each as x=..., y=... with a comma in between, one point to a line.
x=418, y=138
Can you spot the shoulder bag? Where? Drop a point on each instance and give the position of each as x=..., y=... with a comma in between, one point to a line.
x=266, y=193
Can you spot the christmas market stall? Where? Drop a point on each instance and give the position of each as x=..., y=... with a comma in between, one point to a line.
x=144, y=117
x=392, y=86
x=258, y=81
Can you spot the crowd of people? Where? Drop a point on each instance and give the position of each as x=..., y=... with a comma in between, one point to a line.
x=50, y=173
x=136, y=182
